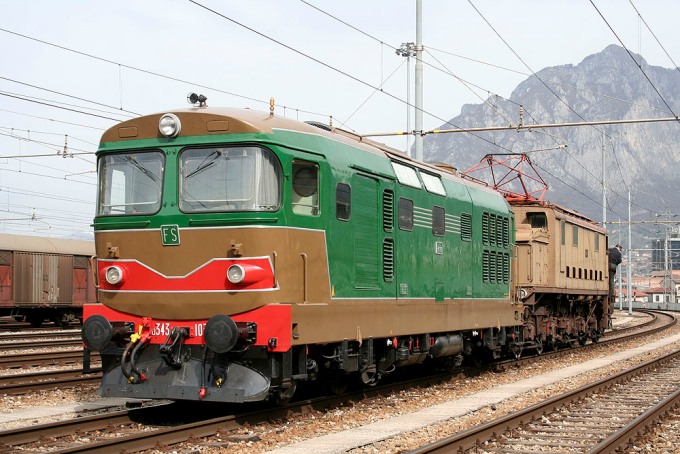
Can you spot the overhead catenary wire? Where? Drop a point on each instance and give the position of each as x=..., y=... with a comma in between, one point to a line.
x=581, y=193
x=149, y=72
x=55, y=146
x=382, y=83
x=43, y=195
x=69, y=96
x=71, y=180
x=34, y=131
x=524, y=63
x=636, y=63
x=374, y=91
x=549, y=81
x=326, y=65
x=465, y=83
x=654, y=35
x=468, y=84
x=539, y=78
x=23, y=98
x=53, y=120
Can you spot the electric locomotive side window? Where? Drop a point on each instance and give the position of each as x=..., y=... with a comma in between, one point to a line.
x=229, y=179
x=130, y=183
x=538, y=220
x=574, y=235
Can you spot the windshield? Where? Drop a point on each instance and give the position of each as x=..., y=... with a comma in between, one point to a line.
x=229, y=179
x=130, y=183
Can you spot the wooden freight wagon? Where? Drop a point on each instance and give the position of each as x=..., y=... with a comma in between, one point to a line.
x=45, y=278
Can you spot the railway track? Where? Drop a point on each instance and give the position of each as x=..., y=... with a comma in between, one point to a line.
x=13, y=383
x=25, y=383
x=39, y=339
x=40, y=334
x=109, y=433
x=605, y=416
x=167, y=424
x=31, y=345
x=43, y=359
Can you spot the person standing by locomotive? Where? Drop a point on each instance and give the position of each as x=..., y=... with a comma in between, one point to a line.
x=615, y=259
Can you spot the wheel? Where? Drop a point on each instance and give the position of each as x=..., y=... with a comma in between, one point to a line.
x=337, y=386
x=539, y=347
x=516, y=350
x=36, y=321
x=284, y=395
x=370, y=376
x=477, y=357
x=582, y=339
x=595, y=337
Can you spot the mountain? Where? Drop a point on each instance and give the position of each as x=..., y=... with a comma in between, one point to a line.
x=609, y=85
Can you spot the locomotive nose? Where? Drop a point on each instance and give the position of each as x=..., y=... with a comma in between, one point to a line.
x=96, y=333
x=221, y=333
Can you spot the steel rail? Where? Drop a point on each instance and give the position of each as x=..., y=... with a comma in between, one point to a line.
x=44, y=359
x=131, y=442
x=477, y=436
x=23, y=383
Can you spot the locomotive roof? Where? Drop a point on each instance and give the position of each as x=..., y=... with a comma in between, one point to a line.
x=221, y=120
x=26, y=243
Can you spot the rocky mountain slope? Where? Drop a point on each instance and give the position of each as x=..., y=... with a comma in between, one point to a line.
x=642, y=157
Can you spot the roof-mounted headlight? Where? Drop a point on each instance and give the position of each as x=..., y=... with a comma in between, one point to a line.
x=169, y=125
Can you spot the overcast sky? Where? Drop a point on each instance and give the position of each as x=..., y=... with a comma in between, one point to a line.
x=71, y=69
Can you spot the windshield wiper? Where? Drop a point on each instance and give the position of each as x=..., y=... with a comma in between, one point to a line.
x=204, y=165
x=141, y=168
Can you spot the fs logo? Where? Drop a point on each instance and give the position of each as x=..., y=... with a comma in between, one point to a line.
x=170, y=235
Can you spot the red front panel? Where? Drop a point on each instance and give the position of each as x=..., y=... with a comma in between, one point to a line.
x=273, y=322
x=211, y=276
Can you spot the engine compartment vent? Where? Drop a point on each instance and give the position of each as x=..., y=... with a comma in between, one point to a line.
x=319, y=125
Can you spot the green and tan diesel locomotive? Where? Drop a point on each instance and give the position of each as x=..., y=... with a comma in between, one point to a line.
x=240, y=253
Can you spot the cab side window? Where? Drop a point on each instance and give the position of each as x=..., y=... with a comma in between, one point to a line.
x=438, y=221
x=305, y=188
x=405, y=214
x=343, y=199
